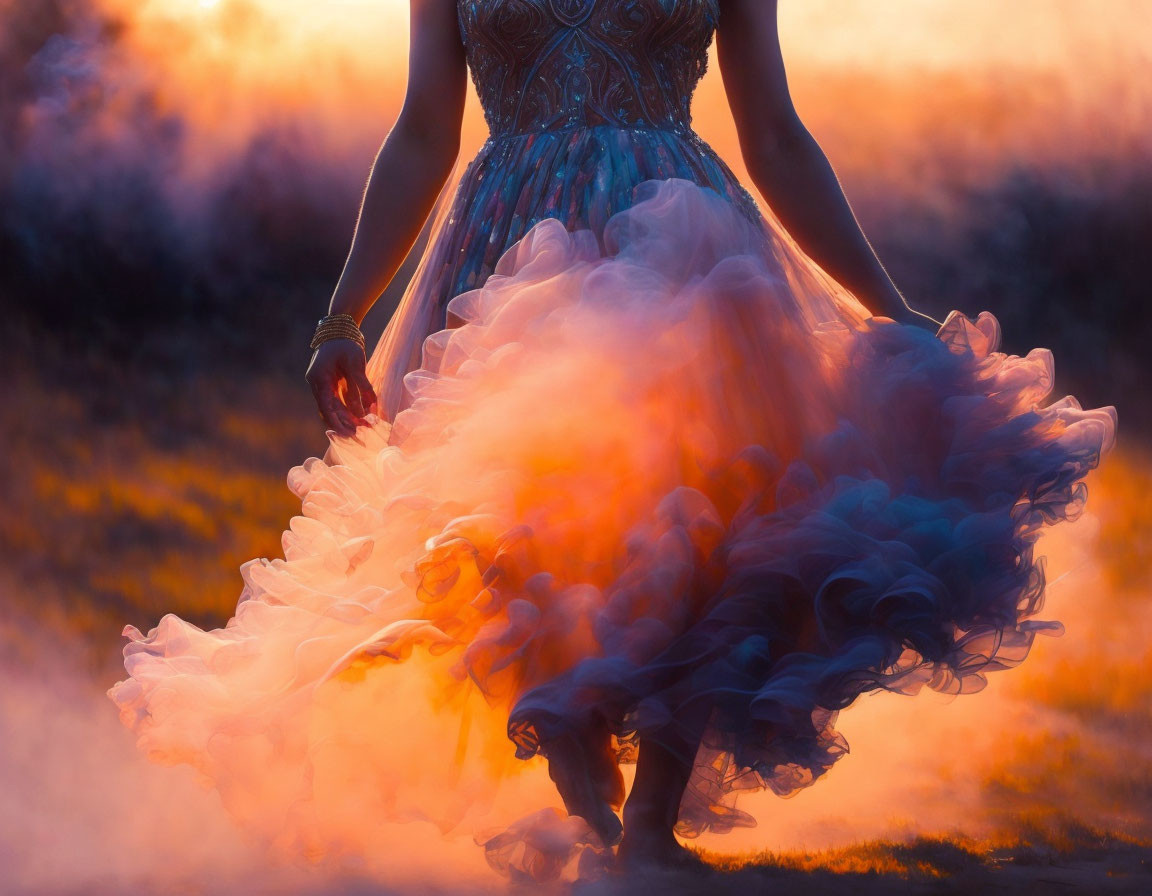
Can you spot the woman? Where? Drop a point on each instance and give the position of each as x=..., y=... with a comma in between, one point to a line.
x=641, y=470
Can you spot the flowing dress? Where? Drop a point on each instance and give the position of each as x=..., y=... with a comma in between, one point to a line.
x=637, y=458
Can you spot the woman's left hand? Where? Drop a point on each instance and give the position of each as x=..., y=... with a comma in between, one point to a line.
x=914, y=318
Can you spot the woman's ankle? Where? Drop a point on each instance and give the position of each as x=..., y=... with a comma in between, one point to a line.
x=571, y=770
x=646, y=815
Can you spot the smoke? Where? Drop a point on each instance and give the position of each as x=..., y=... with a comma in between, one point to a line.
x=1057, y=256
x=1055, y=754
x=102, y=821
x=165, y=210
x=177, y=190
x=122, y=231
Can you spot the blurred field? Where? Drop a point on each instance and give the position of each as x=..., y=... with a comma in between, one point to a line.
x=178, y=183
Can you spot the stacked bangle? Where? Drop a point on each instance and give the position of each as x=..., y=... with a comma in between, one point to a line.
x=337, y=326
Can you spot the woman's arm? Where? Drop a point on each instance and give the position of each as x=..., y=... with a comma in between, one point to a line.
x=409, y=171
x=787, y=165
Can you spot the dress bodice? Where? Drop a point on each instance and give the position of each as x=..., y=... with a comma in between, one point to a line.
x=554, y=64
x=586, y=100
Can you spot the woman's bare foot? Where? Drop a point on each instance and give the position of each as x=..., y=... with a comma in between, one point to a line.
x=579, y=777
x=648, y=848
x=604, y=766
x=662, y=772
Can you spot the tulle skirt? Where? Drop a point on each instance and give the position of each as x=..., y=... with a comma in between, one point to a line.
x=637, y=480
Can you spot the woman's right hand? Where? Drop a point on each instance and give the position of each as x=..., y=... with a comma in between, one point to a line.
x=408, y=174
x=343, y=392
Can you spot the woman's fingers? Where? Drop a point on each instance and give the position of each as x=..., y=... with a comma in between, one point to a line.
x=352, y=398
x=363, y=385
x=341, y=387
x=359, y=395
x=336, y=415
x=911, y=317
x=332, y=412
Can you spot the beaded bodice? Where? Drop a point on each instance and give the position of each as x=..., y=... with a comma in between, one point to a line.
x=554, y=64
x=587, y=101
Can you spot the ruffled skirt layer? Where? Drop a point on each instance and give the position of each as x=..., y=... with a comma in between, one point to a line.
x=632, y=487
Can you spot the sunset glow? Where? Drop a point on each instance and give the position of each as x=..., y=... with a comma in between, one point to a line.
x=906, y=71
x=204, y=159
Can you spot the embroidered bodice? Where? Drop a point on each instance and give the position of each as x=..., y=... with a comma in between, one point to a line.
x=586, y=101
x=553, y=64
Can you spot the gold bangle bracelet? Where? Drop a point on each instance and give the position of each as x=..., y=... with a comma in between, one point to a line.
x=337, y=326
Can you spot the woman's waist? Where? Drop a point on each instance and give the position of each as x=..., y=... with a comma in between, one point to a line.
x=584, y=173
x=638, y=132
x=612, y=155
